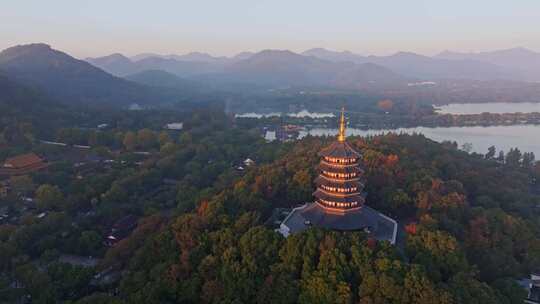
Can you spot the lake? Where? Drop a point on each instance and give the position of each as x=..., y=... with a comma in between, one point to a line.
x=492, y=107
x=524, y=137
x=301, y=114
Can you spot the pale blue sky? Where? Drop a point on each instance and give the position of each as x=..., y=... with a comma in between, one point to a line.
x=224, y=27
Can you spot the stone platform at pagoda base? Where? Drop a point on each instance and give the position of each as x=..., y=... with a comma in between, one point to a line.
x=378, y=225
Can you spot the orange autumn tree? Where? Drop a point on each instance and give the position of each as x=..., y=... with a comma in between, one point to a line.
x=386, y=105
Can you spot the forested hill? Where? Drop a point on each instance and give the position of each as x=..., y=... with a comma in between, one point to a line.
x=471, y=223
x=26, y=111
x=28, y=114
x=471, y=231
x=14, y=94
x=77, y=82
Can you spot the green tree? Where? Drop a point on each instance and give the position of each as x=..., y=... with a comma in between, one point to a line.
x=491, y=152
x=301, y=187
x=528, y=160
x=513, y=157
x=89, y=242
x=22, y=184
x=49, y=197
x=164, y=138
x=130, y=141
x=146, y=139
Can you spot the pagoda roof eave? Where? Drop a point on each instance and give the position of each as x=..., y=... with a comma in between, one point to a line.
x=340, y=149
x=357, y=197
x=336, y=169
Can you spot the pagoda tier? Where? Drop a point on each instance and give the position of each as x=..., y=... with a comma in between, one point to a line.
x=332, y=183
x=329, y=199
x=354, y=168
x=339, y=151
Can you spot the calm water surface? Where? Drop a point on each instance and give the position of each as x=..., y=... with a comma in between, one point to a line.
x=494, y=107
x=301, y=114
x=524, y=137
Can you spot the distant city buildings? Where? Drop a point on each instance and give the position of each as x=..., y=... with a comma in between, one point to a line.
x=175, y=126
x=134, y=107
x=288, y=133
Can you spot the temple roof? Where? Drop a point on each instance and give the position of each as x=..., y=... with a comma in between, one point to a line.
x=340, y=149
x=313, y=214
x=23, y=160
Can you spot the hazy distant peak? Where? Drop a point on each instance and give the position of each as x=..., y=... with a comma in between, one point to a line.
x=67, y=79
x=25, y=49
x=446, y=53
x=317, y=51
x=30, y=46
x=198, y=56
x=117, y=55
x=276, y=52
x=524, y=49
x=405, y=54
x=522, y=60
x=110, y=58
x=280, y=55
x=242, y=55
x=331, y=55
x=143, y=56
x=323, y=50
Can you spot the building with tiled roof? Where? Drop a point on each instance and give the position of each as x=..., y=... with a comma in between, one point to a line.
x=22, y=164
x=340, y=198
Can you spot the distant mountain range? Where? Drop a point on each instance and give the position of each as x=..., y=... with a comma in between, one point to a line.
x=428, y=68
x=155, y=79
x=275, y=66
x=72, y=81
x=525, y=60
x=120, y=65
x=268, y=67
x=159, y=78
x=288, y=68
x=187, y=65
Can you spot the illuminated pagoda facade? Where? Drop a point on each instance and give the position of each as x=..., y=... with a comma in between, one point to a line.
x=339, y=186
x=340, y=198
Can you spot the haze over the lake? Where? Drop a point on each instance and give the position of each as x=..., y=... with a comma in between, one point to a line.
x=99, y=27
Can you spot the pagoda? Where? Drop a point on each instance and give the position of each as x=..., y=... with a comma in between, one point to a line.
x=340, y=200
x=339, y=186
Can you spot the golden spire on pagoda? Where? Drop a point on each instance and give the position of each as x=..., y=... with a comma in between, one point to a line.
x=341, y=136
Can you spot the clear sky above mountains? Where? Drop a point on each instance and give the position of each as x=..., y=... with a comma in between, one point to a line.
x=99, y=27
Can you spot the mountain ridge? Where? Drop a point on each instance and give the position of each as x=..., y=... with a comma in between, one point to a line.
x=73, y=81
x=421, y=66
x=528, y=61
x=282, y=67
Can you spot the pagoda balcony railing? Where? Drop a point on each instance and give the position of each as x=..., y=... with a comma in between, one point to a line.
x=340, y=194
x=339, y=189
x=339, y=165
x=340, y=179
x=333, y=206
x=340, y=161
